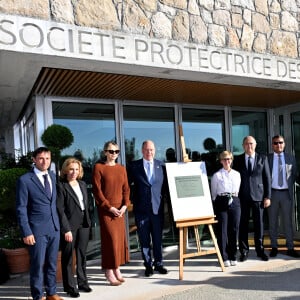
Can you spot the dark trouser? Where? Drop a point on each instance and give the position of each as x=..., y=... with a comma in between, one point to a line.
x=228, y=217
x=257, y=208
x=43, y=258
x=149, y=229
x=282, y=205
x=79, y=243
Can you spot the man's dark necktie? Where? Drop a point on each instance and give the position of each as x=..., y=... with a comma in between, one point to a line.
x=47, y=186
x=249, y=166
x=280, y=173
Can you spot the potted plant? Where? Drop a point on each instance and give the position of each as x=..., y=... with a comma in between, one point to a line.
x=57, y=137
x=10, y=238
x=15, y=251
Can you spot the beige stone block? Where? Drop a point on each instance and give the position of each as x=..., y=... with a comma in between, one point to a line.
x=274, y=21
x=161, y=26
x=261, y=6
x=237, y=21
x=29, y=8
x=260, y=23
x=233, y=39
x=135, y=19
x=181, y=26
x=216, y=35
x=97, y=13
x=260, y=43
x=181, y=4
x=283, y=44
x=198, y=30
x=62, y=11
x=247, y=38
x=222, y=17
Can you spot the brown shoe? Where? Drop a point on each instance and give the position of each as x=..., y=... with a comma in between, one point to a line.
x=43, y=298
x=54, y=297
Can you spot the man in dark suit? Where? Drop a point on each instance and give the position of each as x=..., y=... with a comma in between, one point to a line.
x=254, y=194
x=39, y=223
x=283, y=168
x=147, y=178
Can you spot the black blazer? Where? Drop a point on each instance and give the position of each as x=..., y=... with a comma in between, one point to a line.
x=68, y=207
x=257, y=186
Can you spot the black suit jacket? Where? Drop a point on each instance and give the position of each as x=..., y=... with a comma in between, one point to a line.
x=68, y=207
x=257, y=186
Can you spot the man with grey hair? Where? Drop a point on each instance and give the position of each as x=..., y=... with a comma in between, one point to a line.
x=254, y=194
x=147, y=179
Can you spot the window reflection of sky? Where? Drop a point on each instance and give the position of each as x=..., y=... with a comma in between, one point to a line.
x=196, y=133
x=89, y=135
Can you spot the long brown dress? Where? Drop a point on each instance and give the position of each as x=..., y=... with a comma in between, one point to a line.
x=110, y=188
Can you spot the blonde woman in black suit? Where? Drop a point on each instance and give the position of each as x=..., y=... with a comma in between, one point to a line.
x=72, y=206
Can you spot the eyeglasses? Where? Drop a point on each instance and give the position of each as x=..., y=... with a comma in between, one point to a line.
x=113, y=151
x=276, y=143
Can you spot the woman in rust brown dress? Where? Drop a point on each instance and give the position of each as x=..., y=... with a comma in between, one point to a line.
x=111, y=193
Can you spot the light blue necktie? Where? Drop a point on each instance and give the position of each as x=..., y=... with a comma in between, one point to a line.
x=149, y=172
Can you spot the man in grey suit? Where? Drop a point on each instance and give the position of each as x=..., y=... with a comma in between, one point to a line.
x=39, y=223
x=284, y=173
x=254, y=194
x=147, y=179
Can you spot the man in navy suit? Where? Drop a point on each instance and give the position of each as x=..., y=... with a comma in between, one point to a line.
x=39, y=223
x=254, y=194
x=284, y=173
x=147, y=178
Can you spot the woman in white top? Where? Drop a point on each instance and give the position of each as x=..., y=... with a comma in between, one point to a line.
x=225, y=185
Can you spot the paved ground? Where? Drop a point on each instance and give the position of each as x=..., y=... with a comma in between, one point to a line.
x=278, y=278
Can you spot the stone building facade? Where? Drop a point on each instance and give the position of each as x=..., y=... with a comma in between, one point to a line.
x=259, y=26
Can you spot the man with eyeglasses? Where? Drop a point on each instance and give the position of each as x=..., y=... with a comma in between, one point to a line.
x=254, y=194
x=283, y=168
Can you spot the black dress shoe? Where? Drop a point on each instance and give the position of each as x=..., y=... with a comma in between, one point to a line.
x=273, y=252
x=148, y=271
x=292, y=253
x=73, y=293
x=244, y=257
x=263, y=256
x=161, y=269
x=85, y=288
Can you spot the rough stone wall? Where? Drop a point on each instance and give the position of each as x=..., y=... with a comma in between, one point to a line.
x=261, y=26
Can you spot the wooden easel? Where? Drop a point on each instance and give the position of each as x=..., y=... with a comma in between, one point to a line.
x=183, y=226
x=185, y=157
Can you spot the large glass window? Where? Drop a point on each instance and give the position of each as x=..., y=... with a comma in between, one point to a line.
x=148, y=123
x=204, y=136
x=92, y=125
x=295, y=125
x=156, y=124
x=249, y=123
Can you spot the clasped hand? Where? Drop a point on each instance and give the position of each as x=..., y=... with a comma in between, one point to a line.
x=118, y=212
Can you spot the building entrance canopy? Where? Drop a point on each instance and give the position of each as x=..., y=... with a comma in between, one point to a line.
x=181, y=72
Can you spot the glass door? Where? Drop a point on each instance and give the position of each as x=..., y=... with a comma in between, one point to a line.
x=287, y=123
x=295, y=128
x=92, y=124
